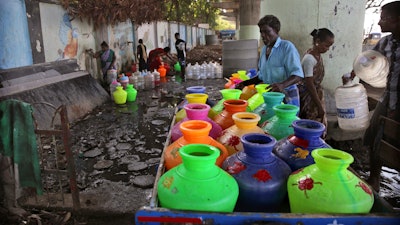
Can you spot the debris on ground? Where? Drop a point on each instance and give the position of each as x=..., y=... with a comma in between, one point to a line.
x=204, y=53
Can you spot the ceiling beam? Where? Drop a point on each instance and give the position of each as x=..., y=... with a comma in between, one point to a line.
x=229, y=14
x=230, y=19
x=226, y=5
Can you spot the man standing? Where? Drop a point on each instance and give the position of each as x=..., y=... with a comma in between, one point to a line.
x=142, y=55
x=279, y=64
x=389, y=104
x=180, y=46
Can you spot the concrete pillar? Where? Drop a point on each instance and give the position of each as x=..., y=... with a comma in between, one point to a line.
x=15, y=47
x=249, y=16
x=344, y=18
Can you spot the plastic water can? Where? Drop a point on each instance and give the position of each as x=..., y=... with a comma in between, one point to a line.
x=114, y=84
x=120, y=95
x=124, y=80
x=162, y=70
x=111, y=75
x=352, y=107
x=177, y=67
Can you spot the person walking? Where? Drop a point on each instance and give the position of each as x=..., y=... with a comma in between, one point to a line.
x=142, y=55
x=310, y=88
x=279, y=64
x=180, y=46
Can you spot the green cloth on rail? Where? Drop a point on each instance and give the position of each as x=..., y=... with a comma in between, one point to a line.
x=18, y=141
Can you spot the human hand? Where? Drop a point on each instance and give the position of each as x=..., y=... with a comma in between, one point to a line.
x=276, y=87
x=348, y=77
x=239, y=86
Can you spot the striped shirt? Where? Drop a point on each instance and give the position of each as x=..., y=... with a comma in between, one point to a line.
x=387, y=47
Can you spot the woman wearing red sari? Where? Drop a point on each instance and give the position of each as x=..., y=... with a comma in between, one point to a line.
x=311, y=91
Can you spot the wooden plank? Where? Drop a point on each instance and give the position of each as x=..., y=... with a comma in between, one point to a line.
x=391, y=131
x=390, y=155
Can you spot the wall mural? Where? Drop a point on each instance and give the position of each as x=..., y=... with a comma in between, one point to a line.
x=68, y=37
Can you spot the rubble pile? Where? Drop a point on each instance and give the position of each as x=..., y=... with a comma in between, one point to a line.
x=204, y=53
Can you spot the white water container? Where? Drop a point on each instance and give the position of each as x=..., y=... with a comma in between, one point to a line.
x=212, y=70
x=113, y=85
x=196, y=71
x=203, y=74
x=352, y=107
x=189, y=71
x=218, y=71
x=157, y=78
x=111, y=75
x=372, y=67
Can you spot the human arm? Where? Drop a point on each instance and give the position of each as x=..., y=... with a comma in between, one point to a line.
x=254, y=80
x=280, y=86
x=348, y=77
x=97, y=54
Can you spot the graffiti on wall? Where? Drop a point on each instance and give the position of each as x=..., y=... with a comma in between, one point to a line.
x=68, y=37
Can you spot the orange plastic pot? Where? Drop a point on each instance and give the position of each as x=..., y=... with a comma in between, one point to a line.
x=194, y=132
x=231, y=106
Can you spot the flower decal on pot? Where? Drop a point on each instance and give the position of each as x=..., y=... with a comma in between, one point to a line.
x=234, y=141
x=174, y=152
x=168, y=182
x=262, y=175
x=305, y=184
x=365, y=188
x=301, y=153
x=236, y=168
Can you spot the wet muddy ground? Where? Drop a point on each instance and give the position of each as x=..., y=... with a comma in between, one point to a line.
x=123, y=143
x=118, y=149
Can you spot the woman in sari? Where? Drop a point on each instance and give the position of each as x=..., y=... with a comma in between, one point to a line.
x=311, y=92
x=107, y=59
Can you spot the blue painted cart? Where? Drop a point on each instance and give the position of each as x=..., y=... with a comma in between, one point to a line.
x=381, y=213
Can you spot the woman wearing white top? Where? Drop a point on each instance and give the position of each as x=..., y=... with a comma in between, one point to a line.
x=311, y=92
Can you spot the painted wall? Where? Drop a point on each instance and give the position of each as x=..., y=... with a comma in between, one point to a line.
x=147, y=33
x=194, y=37
x=119, y=35
x=173, y=29
x=15, y=47
x=63, y=38
x=35, y=30
x=345, y=18
x=66, y=39
x=163, y=35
